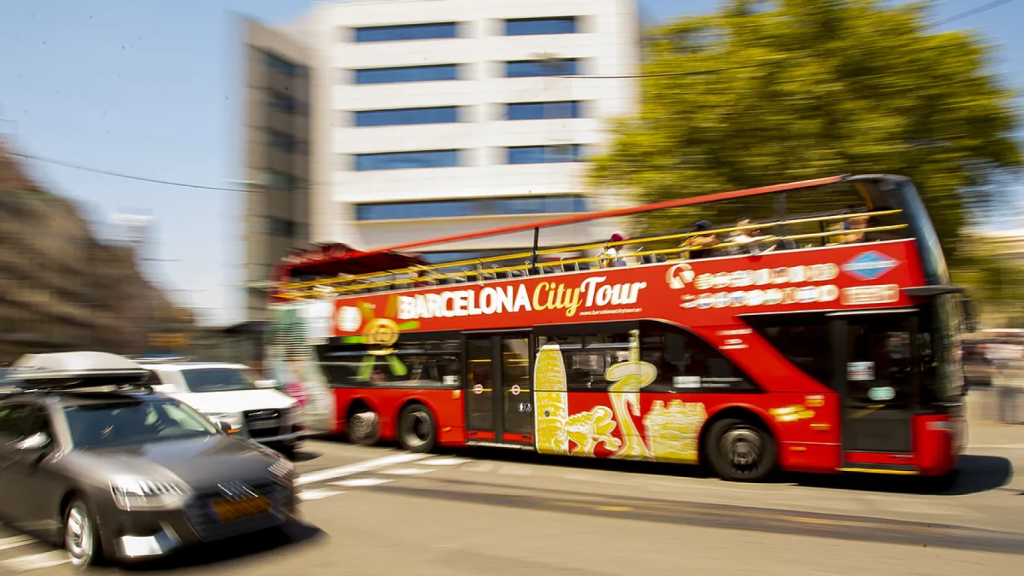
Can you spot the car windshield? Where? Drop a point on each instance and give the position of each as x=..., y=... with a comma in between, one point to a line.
x=134, y=422
x=217, y=380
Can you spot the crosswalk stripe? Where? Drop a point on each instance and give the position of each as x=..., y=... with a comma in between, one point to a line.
x=36, y=561
x=15, y=541
x=360, y=482
x=318, y=494
x=359, y=467
x=407, y=471
x=443, y=461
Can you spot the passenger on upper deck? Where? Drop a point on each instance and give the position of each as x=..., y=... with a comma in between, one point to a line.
x=749, y=240
x=610, y=256
x=856, y=223
x=700, y=245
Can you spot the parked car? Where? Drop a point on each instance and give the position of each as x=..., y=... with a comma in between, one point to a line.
x=233, y=393
x=94, y=460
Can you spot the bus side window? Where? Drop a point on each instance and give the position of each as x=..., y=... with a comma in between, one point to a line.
x=686, y=363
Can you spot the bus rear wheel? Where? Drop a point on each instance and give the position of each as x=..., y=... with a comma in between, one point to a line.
x=417, y=431
x=740, y=450
x=363, y=426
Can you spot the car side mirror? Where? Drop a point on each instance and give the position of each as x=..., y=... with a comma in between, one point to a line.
x=35, y=442
x=225, y=427
x=266, y=383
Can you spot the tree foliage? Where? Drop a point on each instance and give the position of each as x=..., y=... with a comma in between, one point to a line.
x=809, y=88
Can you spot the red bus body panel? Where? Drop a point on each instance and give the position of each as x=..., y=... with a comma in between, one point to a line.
x=708, y=297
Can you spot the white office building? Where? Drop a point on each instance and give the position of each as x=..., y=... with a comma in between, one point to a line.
x=425, y=118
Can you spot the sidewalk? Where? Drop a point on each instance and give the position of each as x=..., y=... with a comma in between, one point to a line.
x=984, y=435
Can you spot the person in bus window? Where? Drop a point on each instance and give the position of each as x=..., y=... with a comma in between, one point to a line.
x=700, y=245
x=610, y=256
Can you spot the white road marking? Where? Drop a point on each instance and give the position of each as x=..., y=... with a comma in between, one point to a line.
x=360, y=482
x=407, y=471
x=359, y=467
x=37, y=561
x=997, y=446
x=15, y=541
x=318, y=494
x=445, y=462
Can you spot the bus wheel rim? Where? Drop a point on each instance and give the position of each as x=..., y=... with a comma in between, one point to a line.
x=417, y=428
x=742, y=447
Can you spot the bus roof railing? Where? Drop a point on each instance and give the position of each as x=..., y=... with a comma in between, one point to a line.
x=474, y=267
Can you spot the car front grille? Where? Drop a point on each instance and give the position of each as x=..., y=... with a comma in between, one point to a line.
x=208, y=527
x=266, y=423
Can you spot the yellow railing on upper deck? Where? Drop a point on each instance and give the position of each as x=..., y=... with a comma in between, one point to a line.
x=432, y=274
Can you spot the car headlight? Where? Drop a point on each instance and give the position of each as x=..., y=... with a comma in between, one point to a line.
x=232, y=418
x=283, y=469
x=140, y=494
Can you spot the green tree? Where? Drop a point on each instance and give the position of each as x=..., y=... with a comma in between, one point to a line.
x=808, y=88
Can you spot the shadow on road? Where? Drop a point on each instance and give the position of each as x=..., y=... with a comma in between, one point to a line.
x=974, y=473
x=305, y=456
x=250, y=547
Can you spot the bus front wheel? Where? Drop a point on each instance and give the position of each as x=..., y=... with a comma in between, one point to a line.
x=740, y=450
x=417, y=431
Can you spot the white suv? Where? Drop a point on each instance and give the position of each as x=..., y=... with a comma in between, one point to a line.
x=234, y=394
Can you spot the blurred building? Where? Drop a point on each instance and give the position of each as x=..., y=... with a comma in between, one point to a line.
x=379, y=122
x=61, y=289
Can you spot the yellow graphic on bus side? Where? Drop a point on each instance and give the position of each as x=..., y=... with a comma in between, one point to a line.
x=551, y=405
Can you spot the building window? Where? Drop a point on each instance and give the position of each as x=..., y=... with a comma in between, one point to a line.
x=283, y=66
x=400, y=117
x=284, y=103
x=533, y=68
x=279, y=180
x=545, y=154
x=543, y=110
x=282, y=141
x=431, y=73
x=532, y=26
x=407, y=32
x=471, y=208
x=403, y=160
x=281, y=227
x=686, y=363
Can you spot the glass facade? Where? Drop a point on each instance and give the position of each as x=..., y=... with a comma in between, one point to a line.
x=283, y=66
x=282, y=141
x=407, y=32
x=431, y=73
x=533, y=68
x=405, y=160
x=545, y=154
x=543, y=110
x=471, y=207
x=399, y=117
x=533, y=26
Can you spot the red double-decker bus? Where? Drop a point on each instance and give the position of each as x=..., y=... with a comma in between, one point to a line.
x=819, y=332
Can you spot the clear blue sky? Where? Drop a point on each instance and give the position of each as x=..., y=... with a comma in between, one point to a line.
x=151, y=88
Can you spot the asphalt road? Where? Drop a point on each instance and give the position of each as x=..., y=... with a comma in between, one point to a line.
x=382, y=511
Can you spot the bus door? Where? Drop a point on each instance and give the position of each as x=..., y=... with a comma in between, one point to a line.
x=499, y=398
x=878, y=377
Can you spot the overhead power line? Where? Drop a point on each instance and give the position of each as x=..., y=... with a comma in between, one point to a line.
x=121, y=175
x=973, y=12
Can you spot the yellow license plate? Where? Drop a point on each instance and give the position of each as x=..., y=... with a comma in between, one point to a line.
x=228, y=510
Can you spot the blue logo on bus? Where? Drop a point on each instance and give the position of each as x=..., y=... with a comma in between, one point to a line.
x=869, y=265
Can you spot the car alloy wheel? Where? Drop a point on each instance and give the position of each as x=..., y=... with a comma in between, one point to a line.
x=79, y=534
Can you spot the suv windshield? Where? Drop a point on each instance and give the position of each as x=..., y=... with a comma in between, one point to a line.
x=134, y=422
x=217, y=380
